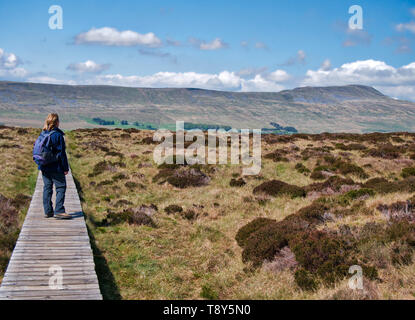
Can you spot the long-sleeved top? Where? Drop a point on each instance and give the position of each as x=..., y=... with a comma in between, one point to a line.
x=57, y=142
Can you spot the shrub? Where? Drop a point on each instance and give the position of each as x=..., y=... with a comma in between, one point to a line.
x=401, y=254
x=140, y=218
x=99, y=168
x=378, y=184
x=305, y=280
x=173, y=208
x=334, y=182
x=105, y=183
x=237, y=182
x=319, y=254
x=262, y=238
x=400, y=231
x=381, y=185
x=350, y=147
x=277, y=188
x=397, y=139
x=408, y=172
x=399, y=210
x=301, y=168
x=119, y=176
x=350, y=168
x=188, y=177
x=121, y=202
x=148, y=140
x=131, y=184
x=245, y=232
x=385, y=151
x=277, y=156
x=314, y=213
x=339, y=166
x=359, y=193
x=264, y=244
x=323, y=254
x=310, y=152
x=130, y=216
x=317, y=175
x=190, y=214
x=103, y=166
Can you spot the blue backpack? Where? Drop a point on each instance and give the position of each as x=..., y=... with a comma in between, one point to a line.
x=42, y=151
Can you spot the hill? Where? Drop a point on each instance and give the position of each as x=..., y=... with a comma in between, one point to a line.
x=352, y=108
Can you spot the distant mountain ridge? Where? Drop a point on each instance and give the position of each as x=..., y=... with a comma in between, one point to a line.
x=353, y=108
x=332, y=94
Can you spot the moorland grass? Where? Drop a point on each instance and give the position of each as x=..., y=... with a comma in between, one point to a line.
x=192, y=253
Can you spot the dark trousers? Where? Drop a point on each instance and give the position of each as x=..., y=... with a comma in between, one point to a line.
x=49, y=179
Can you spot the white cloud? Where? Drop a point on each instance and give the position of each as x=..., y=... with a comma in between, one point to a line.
x=413, y=11
x=88, y=66
x=278, y=76
x=8, y=60
x=396, y=82
x=52, y=80
x=224, y=80
x=112, y=37
x=326, y=65
x=216, y=44
x=9, y=65
x=261, y=84
x=410, y=26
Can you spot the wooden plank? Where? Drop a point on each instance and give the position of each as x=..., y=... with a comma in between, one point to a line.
x=45, y=269
x=60, y=297
x=46, y=276
x=43, y=243
x=23, y=293
x=45, y=282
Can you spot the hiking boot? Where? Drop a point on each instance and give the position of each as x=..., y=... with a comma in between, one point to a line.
x=63, y=216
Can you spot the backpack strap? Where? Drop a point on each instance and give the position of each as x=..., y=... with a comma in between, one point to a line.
x=48, y=135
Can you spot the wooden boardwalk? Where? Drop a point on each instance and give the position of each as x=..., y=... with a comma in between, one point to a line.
x=49, y=247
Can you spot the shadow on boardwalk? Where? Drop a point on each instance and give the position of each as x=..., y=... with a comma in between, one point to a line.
x=107, y=285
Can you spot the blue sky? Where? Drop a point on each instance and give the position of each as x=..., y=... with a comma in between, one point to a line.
x=263, y=45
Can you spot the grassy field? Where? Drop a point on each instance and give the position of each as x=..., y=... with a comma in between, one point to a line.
x=169, y=232
x=18, y=175
x=320, y=204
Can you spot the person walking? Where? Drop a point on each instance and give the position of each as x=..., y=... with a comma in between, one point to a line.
x=55, y=168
